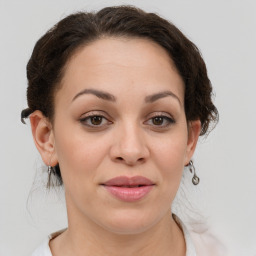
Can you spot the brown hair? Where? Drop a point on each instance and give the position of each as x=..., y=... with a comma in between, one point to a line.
x=52, y=51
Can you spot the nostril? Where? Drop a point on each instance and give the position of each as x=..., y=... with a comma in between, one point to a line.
x=129, y=161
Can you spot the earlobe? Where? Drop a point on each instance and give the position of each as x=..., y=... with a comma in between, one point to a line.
x=43, y=137
x=193, y=135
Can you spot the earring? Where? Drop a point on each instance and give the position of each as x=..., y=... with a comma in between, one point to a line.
x=50, y=170
x=195, y=178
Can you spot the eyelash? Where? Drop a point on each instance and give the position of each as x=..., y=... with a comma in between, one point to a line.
x=167, y=120
x=88, y=118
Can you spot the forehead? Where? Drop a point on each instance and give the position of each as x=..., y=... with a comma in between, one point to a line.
x=122, y=51
x=118, y=64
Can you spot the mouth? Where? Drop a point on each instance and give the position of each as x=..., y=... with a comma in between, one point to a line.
x=129, y=186
x=124, y=181
x=129, y=189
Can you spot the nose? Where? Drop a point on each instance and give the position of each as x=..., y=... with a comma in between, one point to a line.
x=129, y=146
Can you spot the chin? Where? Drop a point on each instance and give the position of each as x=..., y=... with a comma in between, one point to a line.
x=130, y=222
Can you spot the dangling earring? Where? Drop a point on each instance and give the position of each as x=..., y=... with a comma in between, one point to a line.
x=50, y=171
x=50, y=168
x=195, y=178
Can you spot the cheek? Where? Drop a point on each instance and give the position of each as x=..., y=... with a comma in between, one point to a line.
x=171, y=152
x=78, y=155
x=169, y=155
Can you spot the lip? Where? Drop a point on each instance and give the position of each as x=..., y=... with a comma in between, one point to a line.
x=129, y=189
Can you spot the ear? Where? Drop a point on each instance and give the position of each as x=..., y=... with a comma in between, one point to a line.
x=43, y=137
x=194, y=129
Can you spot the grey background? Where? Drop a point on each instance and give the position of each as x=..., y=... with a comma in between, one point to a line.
x=225, y=33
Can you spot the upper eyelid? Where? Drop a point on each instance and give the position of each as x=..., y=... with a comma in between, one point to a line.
x=160, y=113
x=95, y=113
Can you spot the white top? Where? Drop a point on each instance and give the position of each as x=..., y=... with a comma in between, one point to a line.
x=44, y=249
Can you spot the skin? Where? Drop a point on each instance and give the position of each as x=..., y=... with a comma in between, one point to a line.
x=129, y=140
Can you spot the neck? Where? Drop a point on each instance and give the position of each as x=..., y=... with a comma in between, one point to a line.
x=87, y=238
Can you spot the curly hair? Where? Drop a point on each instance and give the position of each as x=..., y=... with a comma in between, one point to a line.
x=46, y=66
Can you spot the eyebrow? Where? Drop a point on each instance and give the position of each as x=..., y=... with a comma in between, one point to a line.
x=100, y=94
x=152, y=98
x=107, y=96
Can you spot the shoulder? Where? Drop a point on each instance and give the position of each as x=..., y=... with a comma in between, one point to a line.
x=208, y=244
x=200, y=240
x=205, y=240
x=44, y=248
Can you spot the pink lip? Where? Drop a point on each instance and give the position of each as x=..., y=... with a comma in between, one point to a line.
x=129, y=189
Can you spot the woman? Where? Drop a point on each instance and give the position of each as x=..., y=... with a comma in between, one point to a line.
x=117, y=100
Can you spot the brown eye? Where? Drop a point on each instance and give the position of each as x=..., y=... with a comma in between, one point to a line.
x=158, y=120
x=96, y=120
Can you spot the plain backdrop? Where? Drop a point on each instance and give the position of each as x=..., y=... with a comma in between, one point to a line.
x=224, y=31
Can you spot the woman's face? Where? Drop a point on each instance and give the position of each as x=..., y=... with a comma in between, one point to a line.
x=120, y=134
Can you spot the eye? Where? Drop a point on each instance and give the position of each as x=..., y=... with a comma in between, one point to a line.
x=160, y=121
x=92, y=120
